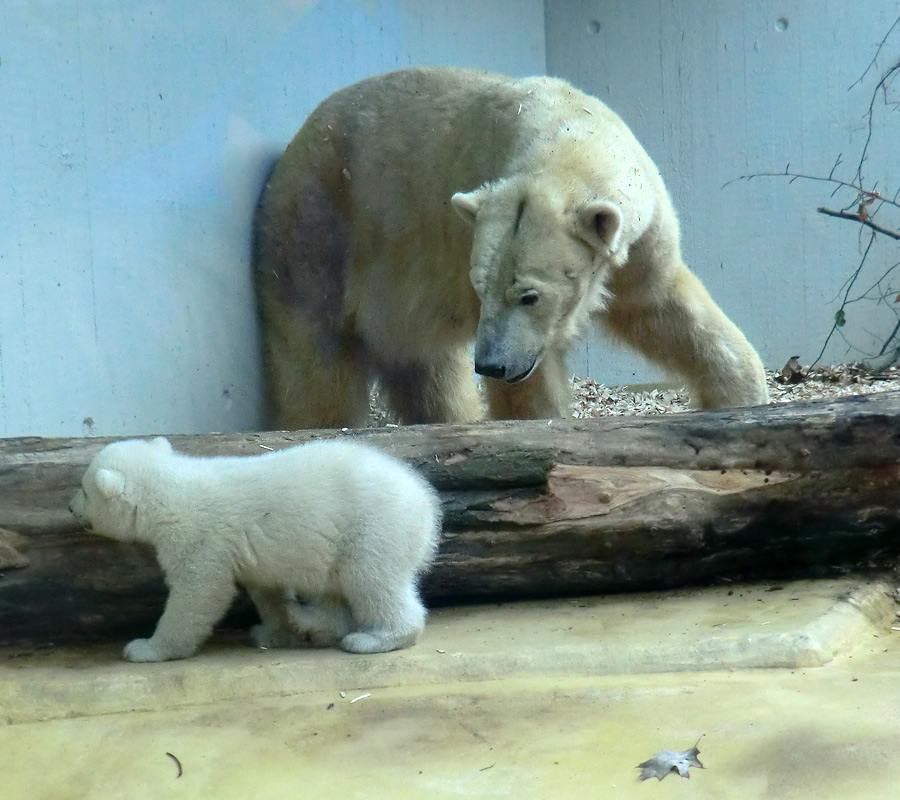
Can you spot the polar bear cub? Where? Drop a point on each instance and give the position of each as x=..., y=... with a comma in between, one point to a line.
x=343, y=527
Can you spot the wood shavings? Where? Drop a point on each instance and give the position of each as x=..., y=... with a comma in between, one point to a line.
x=592, y=399
x=361, y=697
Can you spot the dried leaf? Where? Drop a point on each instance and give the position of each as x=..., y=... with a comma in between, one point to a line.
x=792, y=372
x=666, y=761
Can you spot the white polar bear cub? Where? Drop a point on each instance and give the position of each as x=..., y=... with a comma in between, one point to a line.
x=344, y=527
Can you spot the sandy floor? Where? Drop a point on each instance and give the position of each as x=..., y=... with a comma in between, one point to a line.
x=557, y=699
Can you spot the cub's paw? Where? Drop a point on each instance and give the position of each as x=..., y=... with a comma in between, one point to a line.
x=267, y=636
x=365, y=642
x=143, y=650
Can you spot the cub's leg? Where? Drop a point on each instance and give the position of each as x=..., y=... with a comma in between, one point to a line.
x=386, y=610
x=321, y=624
x=443, y=390
x=195, y=604
x=545, y=394
x=275, y=629
x=678, y=326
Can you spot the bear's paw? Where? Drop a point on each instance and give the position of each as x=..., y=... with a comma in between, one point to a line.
x=267, y=636
x=142, y=650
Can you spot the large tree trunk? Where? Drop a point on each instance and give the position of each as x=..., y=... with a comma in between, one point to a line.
x=531, y=508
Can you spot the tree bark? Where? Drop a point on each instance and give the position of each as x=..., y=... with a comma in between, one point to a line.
x=532, y=508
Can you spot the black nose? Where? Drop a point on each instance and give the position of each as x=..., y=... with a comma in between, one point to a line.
x=497, y=371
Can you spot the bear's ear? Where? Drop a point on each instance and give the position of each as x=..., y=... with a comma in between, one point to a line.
x=110, y=482
x=467, y=203
x=600, y=224
x=161, y=443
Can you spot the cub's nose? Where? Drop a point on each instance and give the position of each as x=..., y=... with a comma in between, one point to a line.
x=490, y=369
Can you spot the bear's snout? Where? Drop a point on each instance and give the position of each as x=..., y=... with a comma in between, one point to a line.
x=491, y=370
x=499, y=369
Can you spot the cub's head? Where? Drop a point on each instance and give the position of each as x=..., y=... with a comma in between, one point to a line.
x=112, y=487
x=540, y=256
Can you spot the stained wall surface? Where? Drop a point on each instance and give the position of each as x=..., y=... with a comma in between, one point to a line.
x=135, y=140
x=136, y=137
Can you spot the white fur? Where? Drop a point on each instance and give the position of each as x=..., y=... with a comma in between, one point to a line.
x=329, y=539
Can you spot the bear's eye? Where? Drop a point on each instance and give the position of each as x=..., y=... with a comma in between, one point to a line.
x=529, y=297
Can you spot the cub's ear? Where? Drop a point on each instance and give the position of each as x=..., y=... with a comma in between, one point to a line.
x=599, y=223
x=110, y=482
x=467, y=204
x=161, y=443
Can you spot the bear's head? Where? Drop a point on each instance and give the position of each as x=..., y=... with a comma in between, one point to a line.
x=112, y=487
x=540, y=256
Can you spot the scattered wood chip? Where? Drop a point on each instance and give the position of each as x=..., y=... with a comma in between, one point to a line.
x=592, y=399
x=361, y=697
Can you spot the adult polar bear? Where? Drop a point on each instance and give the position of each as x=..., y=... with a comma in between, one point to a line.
x=363, y=270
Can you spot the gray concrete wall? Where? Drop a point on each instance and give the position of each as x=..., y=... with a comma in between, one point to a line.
x=134, y=137
x=719, y=89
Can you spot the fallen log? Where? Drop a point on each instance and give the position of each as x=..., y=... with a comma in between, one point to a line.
x=532, y=508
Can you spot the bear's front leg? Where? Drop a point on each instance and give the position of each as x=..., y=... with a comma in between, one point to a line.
x=192, y=609
x=679, y=326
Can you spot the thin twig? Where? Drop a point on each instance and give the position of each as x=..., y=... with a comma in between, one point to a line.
x=890, y=338
x=875, y=57
x=876, y=284
x=856, y=218
x=838, y=319
x=870, y=114
x=795, y=176
x=177, y=764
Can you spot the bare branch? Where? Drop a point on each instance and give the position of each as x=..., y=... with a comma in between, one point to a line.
x=862, y=207
x=856, y=218
x=867, y=194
